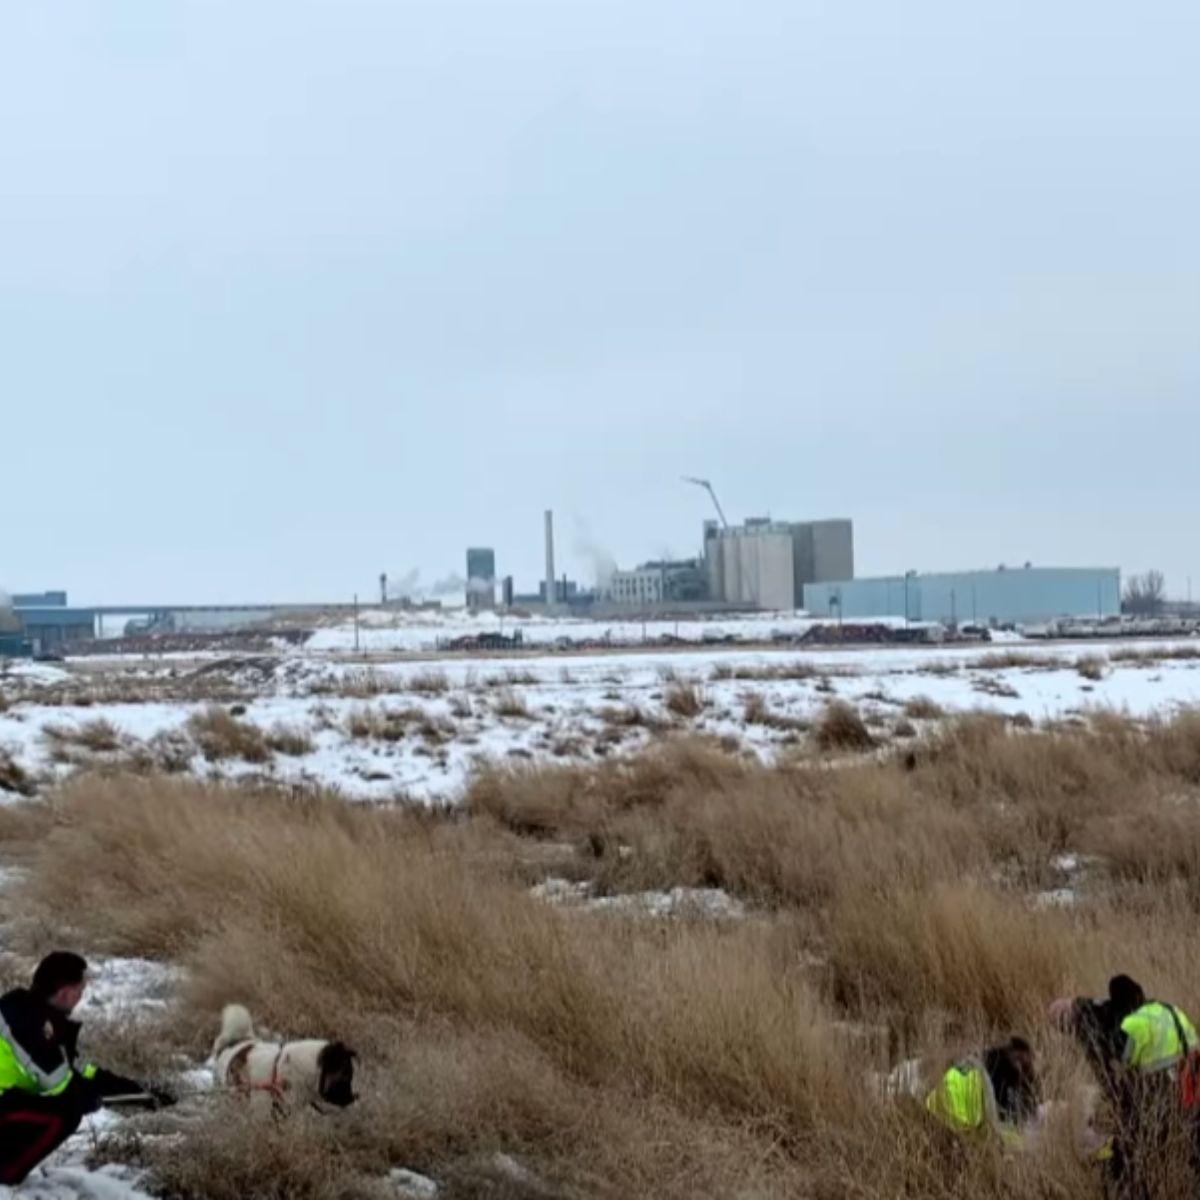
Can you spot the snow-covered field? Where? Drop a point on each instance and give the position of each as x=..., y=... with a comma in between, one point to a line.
x=416, y=727
x=381, y=630
x=413, y=723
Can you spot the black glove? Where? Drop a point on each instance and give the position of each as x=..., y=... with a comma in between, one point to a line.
x=86, y=1094
x=163, y=1098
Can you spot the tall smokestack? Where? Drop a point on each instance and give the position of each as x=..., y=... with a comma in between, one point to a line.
x=551, y=585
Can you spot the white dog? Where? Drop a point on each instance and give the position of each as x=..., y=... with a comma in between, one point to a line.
x=289, y=1073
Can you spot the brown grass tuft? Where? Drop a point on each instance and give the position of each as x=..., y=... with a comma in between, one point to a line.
x=511, y=704
x=286, y=739
x=222, y=736
x=840, y=727
x=429, y=683
x=13, y=777
x=684, y=699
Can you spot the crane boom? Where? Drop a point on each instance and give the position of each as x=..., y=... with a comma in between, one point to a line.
x=708, y=487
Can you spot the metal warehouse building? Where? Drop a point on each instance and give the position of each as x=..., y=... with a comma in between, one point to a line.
x=1017, y=595
x=50, y=624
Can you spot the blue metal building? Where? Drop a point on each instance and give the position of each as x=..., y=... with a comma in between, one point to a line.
x=49, y=624
x=1020, y=595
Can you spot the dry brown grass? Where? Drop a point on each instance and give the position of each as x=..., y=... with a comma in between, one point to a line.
x=796, y=668
x=429, y=683
x=756, y=711
x=1091, y=666
x=286, y=739
x=14, y=779
x=510, y=704
x=1148, y=657
x=383, y=724
x=97, y=736
x=684, y=699
x=1007, y=660
x=510, y=678
x=221, y=736
x=922, y=708
x=841, y=727
x=893, y=915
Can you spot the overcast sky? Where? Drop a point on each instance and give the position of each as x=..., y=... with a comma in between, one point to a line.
x=292, y=293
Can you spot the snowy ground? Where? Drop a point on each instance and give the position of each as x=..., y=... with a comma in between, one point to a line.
x=380, y=630
x=407, y=728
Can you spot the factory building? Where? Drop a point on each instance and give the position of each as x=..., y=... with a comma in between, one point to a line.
x=766, y=564
x=654, y=584
x=49, y=624
x=481, y=577
x=1021, y=595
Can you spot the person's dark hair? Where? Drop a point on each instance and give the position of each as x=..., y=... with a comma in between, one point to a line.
x=1010, y=1066
x=1125, y=994
x=58, y=970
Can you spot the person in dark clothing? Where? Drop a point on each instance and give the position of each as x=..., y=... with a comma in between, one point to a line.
x=1014, y=1078
x=1135, y=1047
x=45, y=1088
x=994, y=1095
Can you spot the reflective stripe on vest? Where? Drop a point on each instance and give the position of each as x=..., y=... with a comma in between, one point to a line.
x=1152, y=1041
x=18, y=1070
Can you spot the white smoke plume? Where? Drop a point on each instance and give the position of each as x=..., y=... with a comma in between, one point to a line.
x=602, y=562
x=451, y=585
x=408, y=585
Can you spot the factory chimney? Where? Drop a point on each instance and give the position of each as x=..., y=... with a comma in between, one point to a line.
x=551, y=582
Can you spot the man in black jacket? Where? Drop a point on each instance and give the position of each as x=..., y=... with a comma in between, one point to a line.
x=45, y=1089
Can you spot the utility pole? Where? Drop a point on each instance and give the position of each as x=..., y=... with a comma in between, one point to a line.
x=355, y=622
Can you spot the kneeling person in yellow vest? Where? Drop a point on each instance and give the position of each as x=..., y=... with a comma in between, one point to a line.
x=45, y=1089
x=994, y=1095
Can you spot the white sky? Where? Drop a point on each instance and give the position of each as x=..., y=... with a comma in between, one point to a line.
x=292, y=293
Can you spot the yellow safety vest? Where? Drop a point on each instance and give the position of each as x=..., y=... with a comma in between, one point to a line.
x=1152, y=1038
x=19, y=1072
x=965, y=1102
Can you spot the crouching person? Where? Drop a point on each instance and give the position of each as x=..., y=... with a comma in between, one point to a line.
x=45, y=1090
x=992, y=1097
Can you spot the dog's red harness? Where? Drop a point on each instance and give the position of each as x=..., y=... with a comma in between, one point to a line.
x=274, y=1085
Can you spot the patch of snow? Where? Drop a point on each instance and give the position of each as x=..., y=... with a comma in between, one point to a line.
x=411, y=1185
x=76, y=1182
x=562, y=891
x=119, y=986
x=1056, y=898
x=197, y=1079
x=25, y=671
x=904, y=1080
x=675, y=902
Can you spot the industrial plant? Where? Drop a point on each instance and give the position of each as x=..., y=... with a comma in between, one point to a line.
x=769, y=565
x=763, y=564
